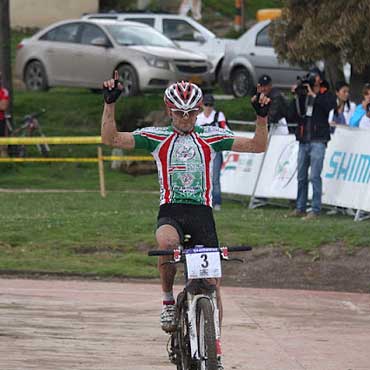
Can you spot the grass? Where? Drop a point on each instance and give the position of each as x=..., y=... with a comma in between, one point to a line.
x=83, y=233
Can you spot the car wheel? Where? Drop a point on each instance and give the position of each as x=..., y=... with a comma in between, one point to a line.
x=241, y=83
x=129, y=79
x=35, y=77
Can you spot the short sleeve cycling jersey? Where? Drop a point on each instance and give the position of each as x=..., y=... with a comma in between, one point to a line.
x=184, y=162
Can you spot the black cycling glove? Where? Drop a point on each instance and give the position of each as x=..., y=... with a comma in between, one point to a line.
x=261, y=110
x=110, y=96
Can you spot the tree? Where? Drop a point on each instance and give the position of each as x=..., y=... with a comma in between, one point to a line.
x=5, y=61
x=334, y=31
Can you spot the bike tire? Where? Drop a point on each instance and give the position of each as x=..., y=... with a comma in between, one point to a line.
x=206, y=335
x=184, y=357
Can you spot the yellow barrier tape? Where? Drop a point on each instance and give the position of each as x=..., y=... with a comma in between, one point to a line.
x=50, y=140
x=77, y=160
x=128, y=158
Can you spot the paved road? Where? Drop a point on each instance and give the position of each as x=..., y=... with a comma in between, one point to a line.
x=80, y=325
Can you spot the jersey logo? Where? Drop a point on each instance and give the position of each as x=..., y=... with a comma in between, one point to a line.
x=185, y=153
x=187, y=179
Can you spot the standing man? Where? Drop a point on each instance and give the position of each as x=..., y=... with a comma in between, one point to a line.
x=184, y=154
x=211, y=117
x=279, y=106
x=310, y=109
x=4, y=104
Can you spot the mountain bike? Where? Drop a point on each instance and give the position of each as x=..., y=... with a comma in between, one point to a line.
x=30, y=128
x=195, y=344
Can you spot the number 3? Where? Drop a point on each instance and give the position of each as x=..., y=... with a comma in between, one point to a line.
x=205, y=261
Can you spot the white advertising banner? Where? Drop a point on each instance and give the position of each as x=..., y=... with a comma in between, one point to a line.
x=346, y=172
x=279, y=175
x=240, y=170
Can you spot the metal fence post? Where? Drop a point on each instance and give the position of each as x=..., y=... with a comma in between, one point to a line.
x=252, y=203
x=101, y=172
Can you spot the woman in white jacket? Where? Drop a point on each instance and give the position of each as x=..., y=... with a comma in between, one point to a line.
x=342, y=114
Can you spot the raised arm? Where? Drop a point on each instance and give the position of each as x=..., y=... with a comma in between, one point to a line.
x=110, y=135
x=258, y=143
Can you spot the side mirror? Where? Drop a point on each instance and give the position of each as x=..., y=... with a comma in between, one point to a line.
x=100, y=41
x=199, y=37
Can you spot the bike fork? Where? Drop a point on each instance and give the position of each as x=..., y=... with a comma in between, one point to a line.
x=192, y=320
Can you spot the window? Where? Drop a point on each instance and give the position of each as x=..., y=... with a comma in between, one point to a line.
x=263, y=38
x=65, y=33
x=178, y=30
x=147, y=21
x=90, y=33
x=138, y=35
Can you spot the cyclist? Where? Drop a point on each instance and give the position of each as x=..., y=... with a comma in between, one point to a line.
x=184, y=155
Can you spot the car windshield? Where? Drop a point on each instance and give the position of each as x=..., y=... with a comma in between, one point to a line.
x=136, y=35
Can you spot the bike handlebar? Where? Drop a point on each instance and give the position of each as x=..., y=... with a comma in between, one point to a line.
x=241, y=248
x=160, y=253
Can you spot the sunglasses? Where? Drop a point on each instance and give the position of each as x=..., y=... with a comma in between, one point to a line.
x=185, y=113
x=208, y=104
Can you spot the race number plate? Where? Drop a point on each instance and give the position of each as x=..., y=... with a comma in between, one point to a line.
x=203, y=263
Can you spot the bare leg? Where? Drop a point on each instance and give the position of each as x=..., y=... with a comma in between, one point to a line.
x=167, y=238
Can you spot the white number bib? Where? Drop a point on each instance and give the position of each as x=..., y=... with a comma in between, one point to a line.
x=203, y=263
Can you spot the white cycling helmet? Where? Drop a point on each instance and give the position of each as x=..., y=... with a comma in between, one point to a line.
x=183, y=96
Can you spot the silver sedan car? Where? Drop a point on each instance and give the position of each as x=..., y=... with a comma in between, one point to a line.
x=251, y=56
x=82, y=53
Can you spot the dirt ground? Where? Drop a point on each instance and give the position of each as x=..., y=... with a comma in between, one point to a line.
x=332, y=267
x=89, y=325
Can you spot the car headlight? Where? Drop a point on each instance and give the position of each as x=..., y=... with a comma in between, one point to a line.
x=156, y=62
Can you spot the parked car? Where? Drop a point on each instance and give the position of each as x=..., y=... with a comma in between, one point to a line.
x=251, y=56
x=185, y=31
x=84, y=53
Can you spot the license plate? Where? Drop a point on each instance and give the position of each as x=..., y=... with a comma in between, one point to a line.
x=196, y=80
x=203, y=263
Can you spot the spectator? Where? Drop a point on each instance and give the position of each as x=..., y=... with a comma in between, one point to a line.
x=4, y=104
x=279, y=107
x=365, y=120
x=212, y=117
x=361, y=115
x=310, y=109
x=342, y=114
x=194, y=5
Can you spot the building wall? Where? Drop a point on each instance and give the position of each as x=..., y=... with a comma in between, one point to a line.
x=41, y=13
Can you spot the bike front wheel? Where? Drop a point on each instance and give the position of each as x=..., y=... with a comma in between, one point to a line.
x=206, y=335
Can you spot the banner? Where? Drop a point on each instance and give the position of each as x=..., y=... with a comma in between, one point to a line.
x=346, y=172
x=240, y=170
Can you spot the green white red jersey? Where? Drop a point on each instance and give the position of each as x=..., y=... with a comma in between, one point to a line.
x=184, y=161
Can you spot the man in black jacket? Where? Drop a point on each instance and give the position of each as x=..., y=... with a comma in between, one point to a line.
x=310, y=109
x=279, y=105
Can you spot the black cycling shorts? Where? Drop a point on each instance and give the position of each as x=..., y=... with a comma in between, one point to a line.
x=195, y=220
